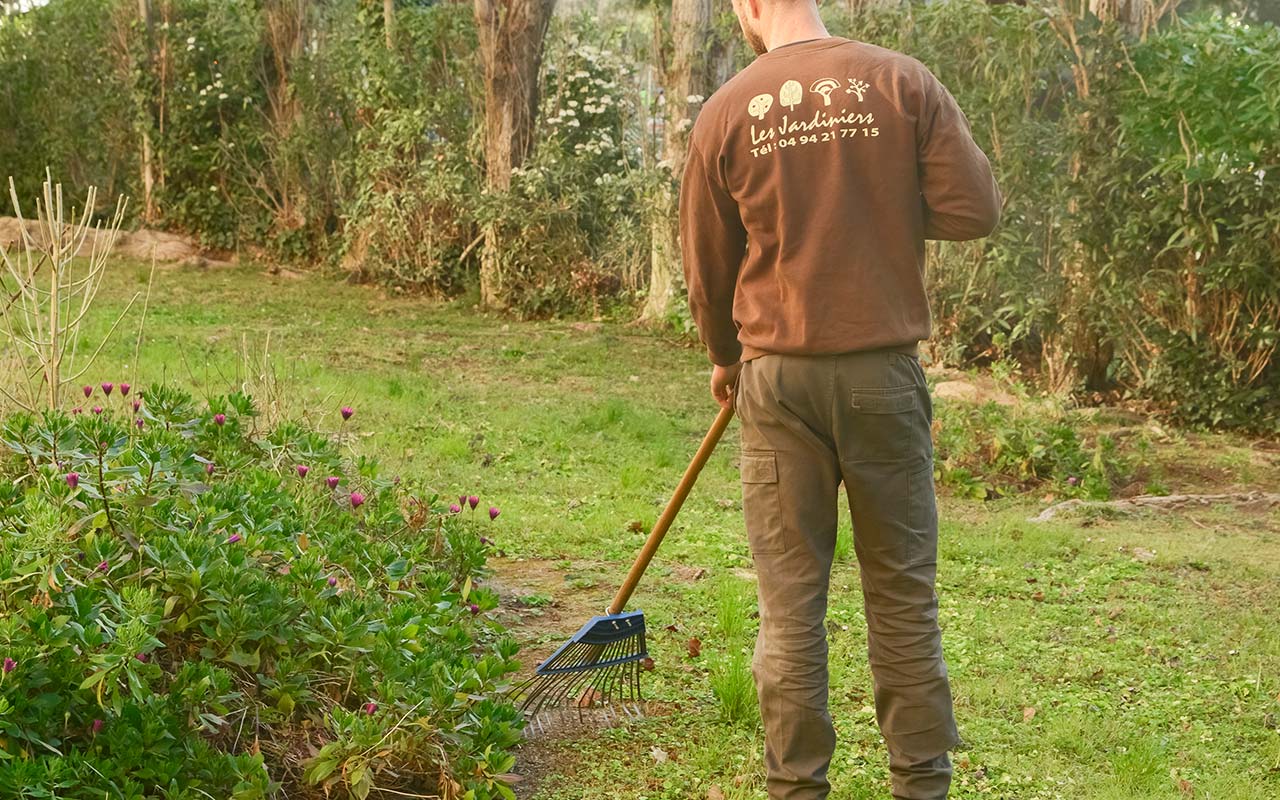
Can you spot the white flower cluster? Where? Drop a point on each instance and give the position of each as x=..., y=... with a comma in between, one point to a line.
x=599, y=145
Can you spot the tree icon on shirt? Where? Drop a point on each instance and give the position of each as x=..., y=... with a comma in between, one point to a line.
x=790, y=94
x=857, y=87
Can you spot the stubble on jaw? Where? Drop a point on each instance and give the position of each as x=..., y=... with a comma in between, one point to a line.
x=753, y=38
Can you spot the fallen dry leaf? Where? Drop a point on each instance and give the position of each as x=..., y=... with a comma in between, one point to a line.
x=695, y=647
x=715, y=793
x=647, y=664
x=659, y=755
x=1028, y=713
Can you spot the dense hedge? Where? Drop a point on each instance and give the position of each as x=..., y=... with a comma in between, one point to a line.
x=197, y=606
x=1141, y=231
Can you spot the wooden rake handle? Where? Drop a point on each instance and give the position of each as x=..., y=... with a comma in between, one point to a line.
x=669, y=514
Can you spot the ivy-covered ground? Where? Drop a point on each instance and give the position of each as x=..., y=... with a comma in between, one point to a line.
x=1098, y=656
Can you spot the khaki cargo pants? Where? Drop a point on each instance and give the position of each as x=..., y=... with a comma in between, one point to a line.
x=809, y=423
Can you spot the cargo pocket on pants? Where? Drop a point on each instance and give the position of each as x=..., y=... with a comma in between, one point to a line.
x=922, y=516
x=761, y=503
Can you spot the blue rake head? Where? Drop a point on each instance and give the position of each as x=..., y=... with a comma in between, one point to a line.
x=599, y=666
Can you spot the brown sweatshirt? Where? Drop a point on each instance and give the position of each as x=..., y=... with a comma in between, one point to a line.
x=813, y=178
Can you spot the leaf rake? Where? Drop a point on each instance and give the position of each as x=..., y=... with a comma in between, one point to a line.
x=599, y=667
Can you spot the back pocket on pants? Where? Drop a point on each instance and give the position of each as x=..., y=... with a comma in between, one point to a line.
x=761, y=503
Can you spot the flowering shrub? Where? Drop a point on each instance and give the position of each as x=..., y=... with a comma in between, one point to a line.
x=574, y=227
x=196, y=606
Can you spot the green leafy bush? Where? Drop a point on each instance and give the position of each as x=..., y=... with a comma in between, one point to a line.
x=1182, y=218
x=197, y=606
x=1138, y=243
x=985, y=451
x=410, y=217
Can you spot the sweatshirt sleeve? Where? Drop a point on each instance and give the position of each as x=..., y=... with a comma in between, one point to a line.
x=713, y=242
x=961, y=199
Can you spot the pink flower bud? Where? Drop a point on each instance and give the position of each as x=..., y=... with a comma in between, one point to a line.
x=219, y=419
x=347, y=412
x=106, y=388
x=124, y=390
x=73, y=479
x=9, y=665
x=103, y=566
x=473, y=608
x=96, y=726
x=333, y=581
x=370, y=708
x=88, y=391
x=143, y=657
x=139, y=423
x=137, y=404
x=303, y=469
x=357, y=499
x=233, y=538
x=208, y=468
x=462, y=499
x=333, y=481
x=455, y=508
x=494, y=511
x=473, y=500
x=97, y=409
x=77, y=410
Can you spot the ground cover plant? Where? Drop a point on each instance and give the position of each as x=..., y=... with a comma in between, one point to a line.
x=1146, y=645
x=197, y=603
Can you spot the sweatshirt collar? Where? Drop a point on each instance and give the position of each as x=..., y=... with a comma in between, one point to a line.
x=806, y=46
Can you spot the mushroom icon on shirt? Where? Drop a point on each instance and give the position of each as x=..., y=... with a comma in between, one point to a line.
x=824, y=87
x=760, y=105
x=790, y=94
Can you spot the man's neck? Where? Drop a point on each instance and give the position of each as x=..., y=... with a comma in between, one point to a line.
x=799, y=27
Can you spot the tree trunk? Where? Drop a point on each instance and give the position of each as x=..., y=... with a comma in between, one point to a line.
x=687, y=69
x=511, y=33
x=1137, y=16
x=389, y=22
x=148, y=173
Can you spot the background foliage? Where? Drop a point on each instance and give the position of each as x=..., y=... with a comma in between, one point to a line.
x=1137, y=256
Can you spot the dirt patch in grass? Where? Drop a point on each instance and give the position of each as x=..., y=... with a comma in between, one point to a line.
x=543, y=602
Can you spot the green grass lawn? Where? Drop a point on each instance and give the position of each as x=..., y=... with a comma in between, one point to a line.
x=1096, y=656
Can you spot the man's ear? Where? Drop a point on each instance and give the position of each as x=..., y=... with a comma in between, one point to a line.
x=755, y=8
